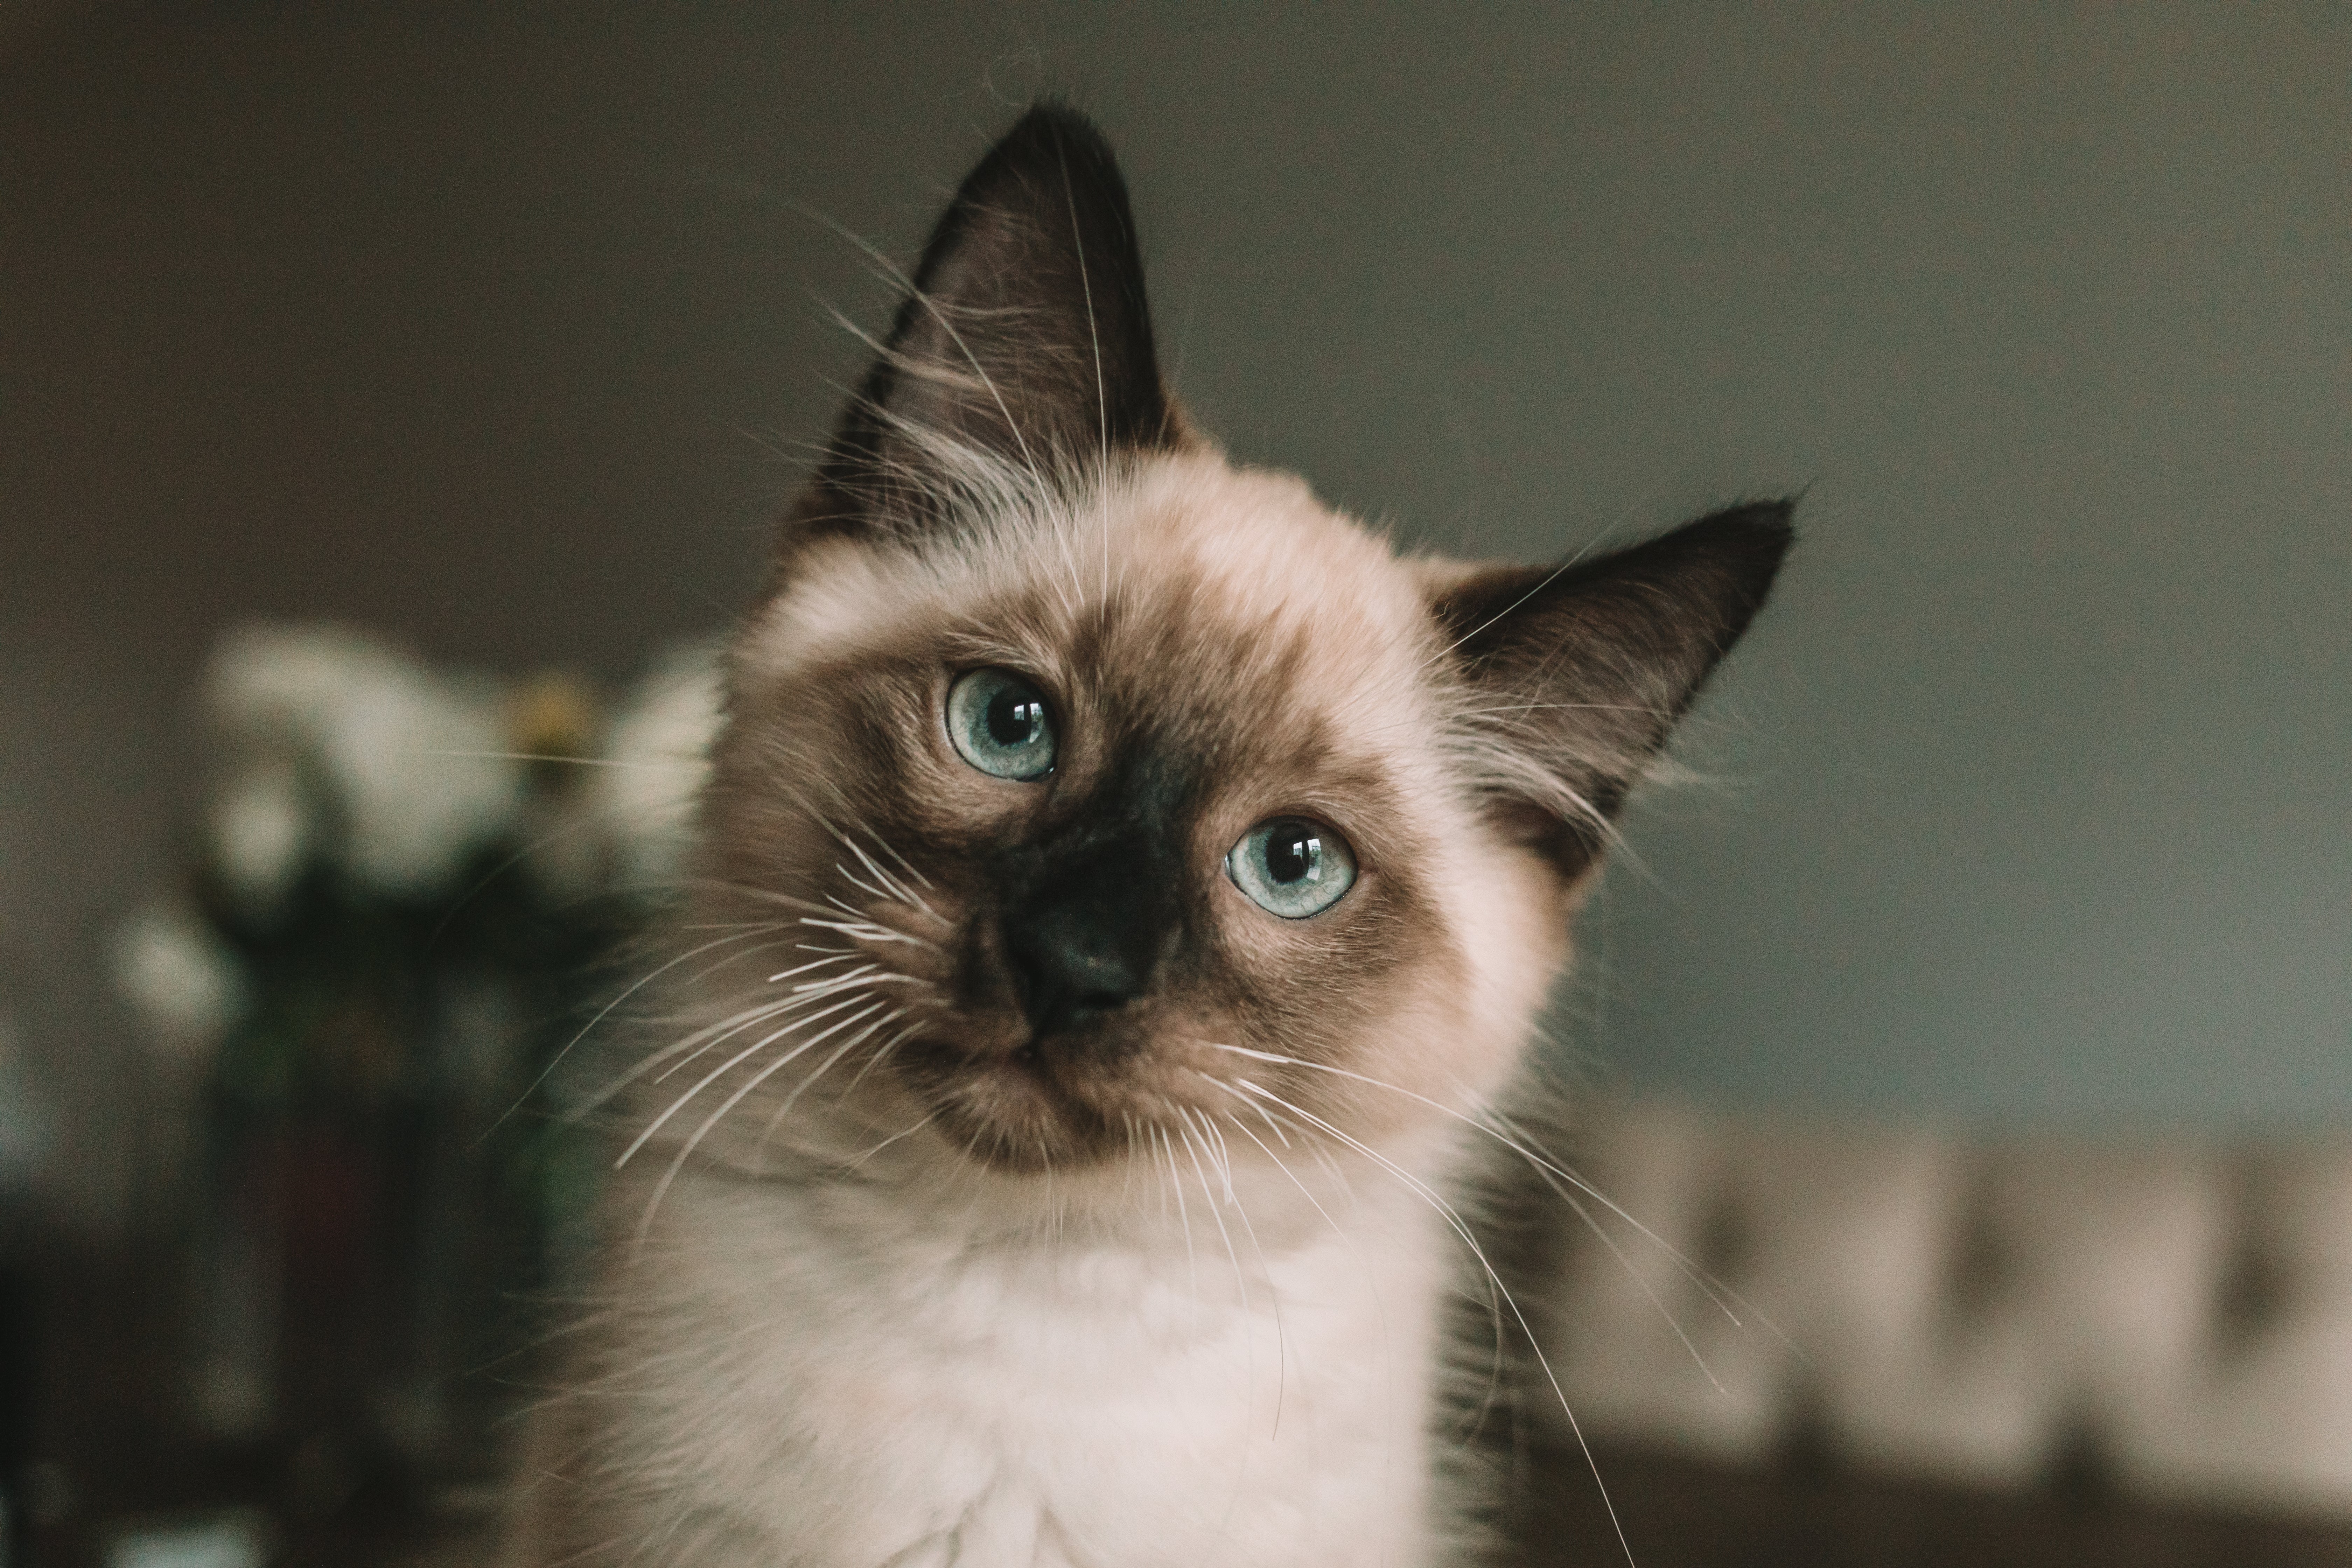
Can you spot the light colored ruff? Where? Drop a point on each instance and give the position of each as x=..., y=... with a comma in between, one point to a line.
x=846, y=1378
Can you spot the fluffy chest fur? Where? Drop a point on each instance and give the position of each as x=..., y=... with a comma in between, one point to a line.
x=855, y=1389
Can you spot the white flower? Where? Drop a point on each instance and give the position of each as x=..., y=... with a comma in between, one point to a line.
x=260, y=827
x=416, y=759
x=179, y=976
x=420, y=768
x=659, y=752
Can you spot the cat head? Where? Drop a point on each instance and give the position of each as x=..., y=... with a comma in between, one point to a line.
x=1095, y=789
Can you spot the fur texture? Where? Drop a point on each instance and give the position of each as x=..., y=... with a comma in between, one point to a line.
x=1008, y=1185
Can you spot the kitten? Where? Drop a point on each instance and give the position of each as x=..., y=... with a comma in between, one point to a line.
x=1124, y=878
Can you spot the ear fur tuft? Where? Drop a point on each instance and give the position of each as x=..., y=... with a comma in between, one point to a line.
x=1575, y=674
x=1024, y=347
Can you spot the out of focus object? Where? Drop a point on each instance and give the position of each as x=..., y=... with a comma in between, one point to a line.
x=391, y=922
x=19, y=1382
x=2171, y=1320
x=20, y=1363
x=232, y=1539
x=24, y=1129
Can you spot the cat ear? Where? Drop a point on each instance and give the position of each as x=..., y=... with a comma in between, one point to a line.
x=1024, y=340
x=1574, y=675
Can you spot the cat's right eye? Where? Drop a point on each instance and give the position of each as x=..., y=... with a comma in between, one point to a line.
x=1291, y=866
x=1000, y=724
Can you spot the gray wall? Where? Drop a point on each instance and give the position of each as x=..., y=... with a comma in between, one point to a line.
x=2034, y=794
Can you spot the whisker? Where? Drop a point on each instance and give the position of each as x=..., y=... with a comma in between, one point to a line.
x=867, y=931
x=851, y=877
x=937, y=312
x=1720, y=1294
x=737, y=1060
x=897, y=889
x=928, y=1117
x=1266, y=1270
x=681, y=765
x=885, y=1048
x=605, y=1011
x=712, y=1120
x=1462, y=1228
x=841, y=1050
x=799, y=997
x=785, y=975
x=1210, y=1198
x=1183, y=1216
x=747, y=1018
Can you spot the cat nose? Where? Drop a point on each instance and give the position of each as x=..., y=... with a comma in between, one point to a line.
x=1080, y=954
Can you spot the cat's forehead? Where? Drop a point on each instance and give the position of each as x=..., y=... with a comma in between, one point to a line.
x=1183, y=582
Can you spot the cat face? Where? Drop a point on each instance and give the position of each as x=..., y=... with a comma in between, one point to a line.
x=1117, y=793
x=1160, y=795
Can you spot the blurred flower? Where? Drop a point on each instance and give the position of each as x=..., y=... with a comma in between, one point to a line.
x=417, y=763
x=179, y=976
x=261, y=829
x=553, y=718
x=552, y=724
x=658, y=751
x=345, y=1019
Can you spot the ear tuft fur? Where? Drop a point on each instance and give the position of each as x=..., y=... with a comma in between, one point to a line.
x=1574, y=675
x=1023, y=352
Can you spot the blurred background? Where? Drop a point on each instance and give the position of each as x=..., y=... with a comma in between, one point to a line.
x=502, y=332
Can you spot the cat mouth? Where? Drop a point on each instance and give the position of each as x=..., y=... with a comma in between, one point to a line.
x=1040, y=1099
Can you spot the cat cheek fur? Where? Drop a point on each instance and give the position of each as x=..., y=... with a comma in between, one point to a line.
x=906, y=1261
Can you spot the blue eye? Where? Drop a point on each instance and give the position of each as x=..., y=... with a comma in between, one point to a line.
x=1291, y=866
x=999, y=725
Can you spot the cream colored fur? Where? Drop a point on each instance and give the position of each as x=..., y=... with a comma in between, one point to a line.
x=826, y=1346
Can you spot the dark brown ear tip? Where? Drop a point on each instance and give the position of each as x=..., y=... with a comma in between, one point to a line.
x=1759, y=526
x=1750, y=540
x=1051, y=138
x=1057, y=125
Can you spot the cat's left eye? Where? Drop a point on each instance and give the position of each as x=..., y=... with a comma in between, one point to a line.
x=1000, y=724
x=1292, y=867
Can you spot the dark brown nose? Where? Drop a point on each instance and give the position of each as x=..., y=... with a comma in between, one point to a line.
x=1083, y=945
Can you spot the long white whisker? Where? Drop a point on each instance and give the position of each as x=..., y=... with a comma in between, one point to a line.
x=799, y=996
x=887, y=1047
x=1266, y=1269
x=725, y=1028
x=864, y=930
x=731, y=1062
x=782, y=975
x=1209, y=1196
x=1593, y=1225
x=891, y=270
x=606, y=1010
x=1720, y=1294
x=678, y=1164
x=854, y=880
x=927, y=1120
x=681, y=765
x=1183, y=1216
x=898, y=889
x=1461, y=1227
x=852, y=1043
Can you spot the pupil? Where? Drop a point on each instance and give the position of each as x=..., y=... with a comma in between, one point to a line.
x=1015, y=717
x=1291, y=857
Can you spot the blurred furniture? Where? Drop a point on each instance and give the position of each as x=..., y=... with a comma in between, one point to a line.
x=2066, y=1277
x=2169, y=1320
x=1682, y=1512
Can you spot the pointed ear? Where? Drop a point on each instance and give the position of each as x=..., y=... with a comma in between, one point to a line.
x=1574, y=675
x=1024, y=339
